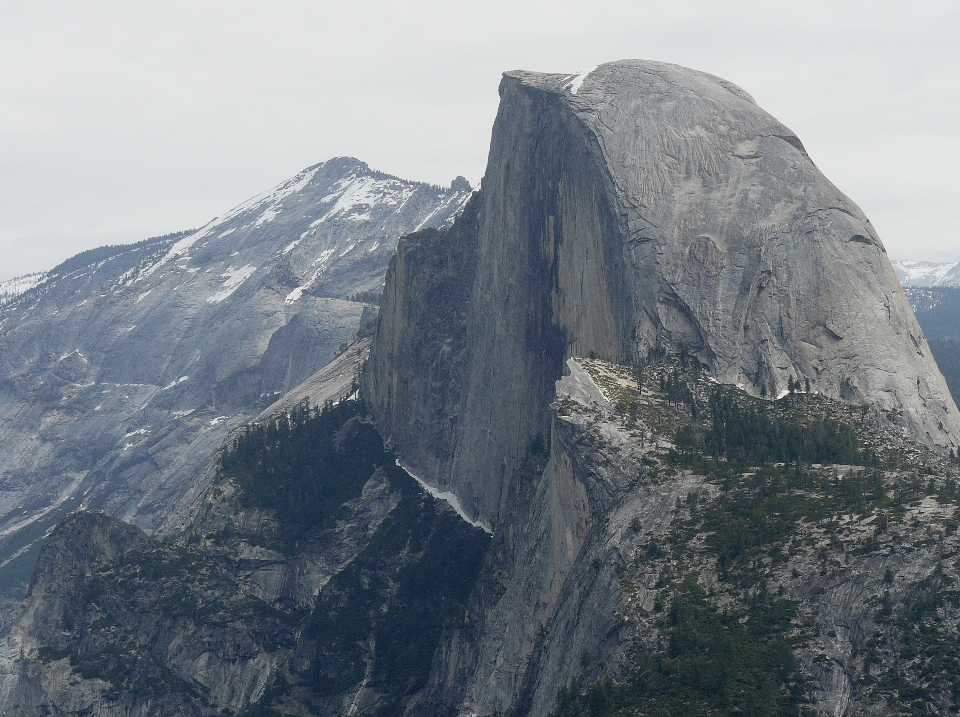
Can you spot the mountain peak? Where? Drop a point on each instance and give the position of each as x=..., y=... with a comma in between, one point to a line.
x=139, y=359
x=657, y=206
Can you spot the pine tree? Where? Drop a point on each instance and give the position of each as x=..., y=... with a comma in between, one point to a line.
x=638, y=376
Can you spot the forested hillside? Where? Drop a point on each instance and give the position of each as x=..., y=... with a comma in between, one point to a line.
x=318, y=565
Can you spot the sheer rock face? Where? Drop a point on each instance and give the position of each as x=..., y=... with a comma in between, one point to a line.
x=655, y=203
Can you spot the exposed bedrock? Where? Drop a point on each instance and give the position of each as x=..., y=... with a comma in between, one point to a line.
x=655, y=203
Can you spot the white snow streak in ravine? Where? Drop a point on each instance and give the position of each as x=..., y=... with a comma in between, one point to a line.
x=449, y=498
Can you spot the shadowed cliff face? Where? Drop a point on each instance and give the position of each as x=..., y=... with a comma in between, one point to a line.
x=530, y=274
x=654, y=204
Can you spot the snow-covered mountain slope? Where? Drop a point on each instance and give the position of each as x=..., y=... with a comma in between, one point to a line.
x=12, y=288
x=927, y=273
x=126, y=366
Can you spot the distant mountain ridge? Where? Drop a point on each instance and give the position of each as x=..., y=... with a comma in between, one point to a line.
x=927, y=273
x=123, y=368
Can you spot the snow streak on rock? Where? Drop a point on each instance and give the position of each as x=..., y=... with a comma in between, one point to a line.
x=447, y=497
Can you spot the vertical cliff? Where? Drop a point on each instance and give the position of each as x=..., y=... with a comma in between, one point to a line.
x=640, y=203
x=530, y=274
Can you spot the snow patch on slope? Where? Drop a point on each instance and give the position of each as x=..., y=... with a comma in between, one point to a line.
x=268, y=216
x=448, y=497
x=324, y=261
x=352, y=193
x=234, y=277
x=454, y=200
x=578, y=80
x=12, y=288
x=271, y=198
x=294, y=296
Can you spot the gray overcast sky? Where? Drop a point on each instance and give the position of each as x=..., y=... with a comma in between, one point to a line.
x=123, y=120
